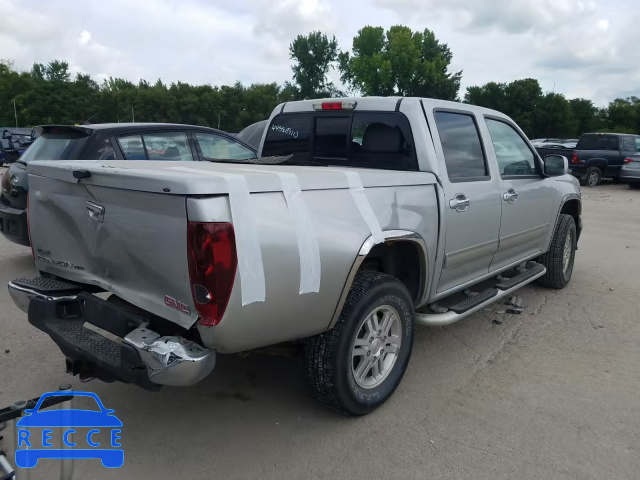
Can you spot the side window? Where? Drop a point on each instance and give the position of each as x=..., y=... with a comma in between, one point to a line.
x=132, y=147
x=512, y=152
x=461, y=145
x=628, y=144
x=106, y=151
x=168, y=146
x=216, y=146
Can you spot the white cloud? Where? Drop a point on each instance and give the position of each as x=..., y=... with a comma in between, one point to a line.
x=84, y=38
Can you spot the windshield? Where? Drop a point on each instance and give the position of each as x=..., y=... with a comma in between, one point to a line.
x=597, y=142
x=52, y=148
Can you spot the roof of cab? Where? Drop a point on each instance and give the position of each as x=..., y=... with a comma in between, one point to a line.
x=386, y=104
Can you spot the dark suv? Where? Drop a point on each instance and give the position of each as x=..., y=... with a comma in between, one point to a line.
x=600, y=155
x=118, y=141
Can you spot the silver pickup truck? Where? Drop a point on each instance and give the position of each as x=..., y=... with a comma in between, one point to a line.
x=362, y=218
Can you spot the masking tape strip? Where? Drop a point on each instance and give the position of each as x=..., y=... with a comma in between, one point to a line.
x=308, y=249
x=360, y=198
x=250, y=263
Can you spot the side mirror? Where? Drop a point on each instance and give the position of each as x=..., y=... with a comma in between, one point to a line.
x=6, y=134
x=555, y=165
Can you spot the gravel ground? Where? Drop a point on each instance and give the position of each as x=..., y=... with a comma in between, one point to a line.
x=552, y=393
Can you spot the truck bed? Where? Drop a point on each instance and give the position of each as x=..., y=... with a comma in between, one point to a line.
x=137, y=247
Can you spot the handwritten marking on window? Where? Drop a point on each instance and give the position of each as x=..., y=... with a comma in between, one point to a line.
x=285, y=131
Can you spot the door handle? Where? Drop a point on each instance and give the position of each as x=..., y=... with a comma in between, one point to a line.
x=459, y=203
x=96, y=212
x=510, y=196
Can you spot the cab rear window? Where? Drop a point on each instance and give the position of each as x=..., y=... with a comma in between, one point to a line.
x=361, y=139
x=597, y=142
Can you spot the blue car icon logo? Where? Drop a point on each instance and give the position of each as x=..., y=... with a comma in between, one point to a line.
x=36, y=444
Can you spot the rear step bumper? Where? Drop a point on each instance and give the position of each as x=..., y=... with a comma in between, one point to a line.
x=503, y=288
x=121, y=348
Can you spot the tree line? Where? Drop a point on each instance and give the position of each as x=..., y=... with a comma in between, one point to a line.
x=397, y=61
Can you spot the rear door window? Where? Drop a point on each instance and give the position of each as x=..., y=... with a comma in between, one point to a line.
x=164, y=146
x=168, y=146
x=359, y=139
x=628, y=144
x=132, y=147
x=215, y=147
x=463, y=153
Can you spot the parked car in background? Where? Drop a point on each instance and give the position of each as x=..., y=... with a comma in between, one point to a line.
x=601, y=155
x=252, y=135
x=555, y=146
x=14, y=142
x=117, y=141
x=363, y=218
x=630, y=172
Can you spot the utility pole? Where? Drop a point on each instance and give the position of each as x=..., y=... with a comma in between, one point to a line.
x=133, y=116
x=218, y=121
x=15, y=112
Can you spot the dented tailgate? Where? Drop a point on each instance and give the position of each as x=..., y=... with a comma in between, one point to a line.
x=132, y=243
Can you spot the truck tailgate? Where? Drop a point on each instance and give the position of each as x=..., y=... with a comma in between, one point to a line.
x=136, y=248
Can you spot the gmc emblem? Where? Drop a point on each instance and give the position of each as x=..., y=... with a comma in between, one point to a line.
x=176, y=305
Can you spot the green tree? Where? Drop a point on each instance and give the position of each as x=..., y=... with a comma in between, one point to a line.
x=313, y=56
x=586, y=116
x=399, y=62
x=553, y=117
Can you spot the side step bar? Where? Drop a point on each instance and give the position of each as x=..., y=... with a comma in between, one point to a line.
x=503, y=288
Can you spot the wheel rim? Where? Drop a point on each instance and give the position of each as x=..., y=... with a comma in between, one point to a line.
x=567, y=251
x=593, y=179
x=376, y=346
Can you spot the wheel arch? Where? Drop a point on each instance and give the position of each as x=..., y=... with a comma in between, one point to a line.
x=601, y=163
x=398, y=245
x=572, y=205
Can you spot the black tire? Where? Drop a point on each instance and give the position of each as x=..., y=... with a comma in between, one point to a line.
x=557, y=277
x=329, y=355
x=634, y=185
x=592, y=178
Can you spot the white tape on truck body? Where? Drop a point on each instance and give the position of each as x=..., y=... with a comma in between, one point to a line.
x=360, y=198
x=308, y=249
x=250, y=264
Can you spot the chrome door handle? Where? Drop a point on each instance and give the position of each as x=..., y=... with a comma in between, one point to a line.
x=459, y=203
x=510, y=196
x=96, y=212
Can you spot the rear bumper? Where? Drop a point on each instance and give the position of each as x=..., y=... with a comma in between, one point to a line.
x=13, y=225
x=105, y=341
x=631, y=177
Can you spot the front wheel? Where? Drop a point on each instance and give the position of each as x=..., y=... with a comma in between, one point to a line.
x=355, y=367
x=561, y=255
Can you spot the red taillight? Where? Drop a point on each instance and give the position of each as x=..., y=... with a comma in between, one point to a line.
x=334, y=105
x=574, y=158
x=33, y=253
x=212, y=268
x=628, y=160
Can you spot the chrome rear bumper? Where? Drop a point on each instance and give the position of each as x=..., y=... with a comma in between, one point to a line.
x=169, y=360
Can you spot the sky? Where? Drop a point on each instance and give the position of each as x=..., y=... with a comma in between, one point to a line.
x=580, y=48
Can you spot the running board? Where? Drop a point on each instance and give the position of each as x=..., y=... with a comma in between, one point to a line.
x=444, y=319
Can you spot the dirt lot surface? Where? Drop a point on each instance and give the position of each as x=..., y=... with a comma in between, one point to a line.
x=553, y=393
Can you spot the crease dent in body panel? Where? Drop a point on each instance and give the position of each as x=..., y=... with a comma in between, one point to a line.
x=360, y=198
x=250, y=266
x=308, y=249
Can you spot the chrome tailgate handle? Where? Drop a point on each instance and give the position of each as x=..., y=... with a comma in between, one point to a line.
x=460, y=203
x=96, y=212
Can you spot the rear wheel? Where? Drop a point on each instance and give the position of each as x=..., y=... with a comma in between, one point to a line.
x=561, y=255
x=634, y=185
x=355, y=367
x=592, y=178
